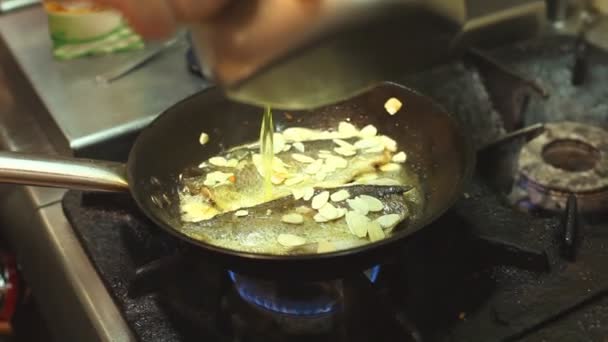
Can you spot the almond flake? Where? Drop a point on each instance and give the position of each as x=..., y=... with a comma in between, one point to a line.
x=319, y=200
x=358, y=205
x=292, y=218
x=329, y=211
x=390, y=167
x=392, y=106
x=308, y=193
x=278, y=143
x=276, y=179
x=204, y=138
x=218, y=161
x=340, y=195
x=315, y=167
x=232, y=163
x=388, y=221
x=383, y=181
x=375, y=232
x=373, y=204
x=400, y=157
x=320, y=176
x=268, y=212
x=366, y=177
x=303, y=210
x=366, y=143
x=375, y=149
x=325, y=247
x=336, y=162
x=217, y=178
x=290, y=240
x=295, y=180
x=389, y=143
x=299, y=146
x=302, y=158
x=320, y=218
x=345, y=151
x=287, y=147
x=345, y=144
x=298, y=134
x=298, y=193
x=357, y=223
x=241, y=213
x=347, y=129
x=368, y=131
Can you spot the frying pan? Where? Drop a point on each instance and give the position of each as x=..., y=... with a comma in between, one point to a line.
x=437, y=147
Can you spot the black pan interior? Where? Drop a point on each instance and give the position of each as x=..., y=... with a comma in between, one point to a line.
x=435, y=143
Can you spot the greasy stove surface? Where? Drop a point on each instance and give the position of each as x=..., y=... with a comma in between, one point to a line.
x=483, y=272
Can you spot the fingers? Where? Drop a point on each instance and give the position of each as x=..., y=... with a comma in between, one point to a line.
x=153, y=19
x=192, y=10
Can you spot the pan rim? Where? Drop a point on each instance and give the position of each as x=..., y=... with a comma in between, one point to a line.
x=468, y=155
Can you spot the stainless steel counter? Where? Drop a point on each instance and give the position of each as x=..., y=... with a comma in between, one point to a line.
x=55, y=107
x=85, y=111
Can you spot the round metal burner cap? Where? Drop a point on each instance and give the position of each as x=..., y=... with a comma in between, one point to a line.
x=569, y=157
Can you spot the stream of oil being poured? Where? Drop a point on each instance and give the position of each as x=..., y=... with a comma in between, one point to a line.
x=266, y=150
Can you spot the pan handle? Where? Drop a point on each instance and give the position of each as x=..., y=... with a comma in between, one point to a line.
x=62, y=172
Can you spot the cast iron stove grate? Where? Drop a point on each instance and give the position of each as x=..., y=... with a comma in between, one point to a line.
x=483, y=272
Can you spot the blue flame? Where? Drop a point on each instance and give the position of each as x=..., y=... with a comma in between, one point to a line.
x=255, y=296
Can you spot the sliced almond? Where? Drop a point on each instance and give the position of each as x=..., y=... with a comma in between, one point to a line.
x=290, y=240
x=367, y=177
x=388, y=221
x=203, y=138
x=308, y=193
x=319, y=200
x=400, y=157
x=292, y=218
x=375, y=149
x=297, y=179
x=383, y=181
x=390, y=167
x=345, y=151
x=302, y=158
x=329, y=211
x=218, y=161
x=241, y=213
x=303, y=210
x=389, y=143
x=324, y=151
x=340, y=195
x=232, y=163
x=358, y=205
x=325, y=247
x=346, y=129
x=320, y=176
x=375, y=232
x=343, y=143
x=278, y=165
x=278, y=143
x=298, y=193
x=315, y=167
x=320, y=218
x=392, y=105
x=297, y=134
x=368, y=131
x=341, y=212
x=287, y=147
x=367, y=143
x=217, y=178
x=357, y=223
x=268, y=212
x=373, y=204
x=277, y=179
x=299, y=146
x=336, y=162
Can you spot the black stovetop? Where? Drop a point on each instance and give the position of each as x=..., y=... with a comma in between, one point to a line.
x=485, y=271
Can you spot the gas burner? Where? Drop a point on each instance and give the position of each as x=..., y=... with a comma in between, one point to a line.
x=568, y=158
x=305, y=300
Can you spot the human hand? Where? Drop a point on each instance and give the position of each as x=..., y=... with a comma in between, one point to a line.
x=157, y=19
